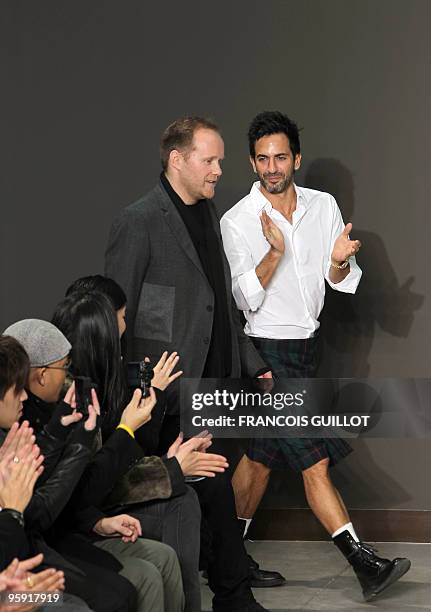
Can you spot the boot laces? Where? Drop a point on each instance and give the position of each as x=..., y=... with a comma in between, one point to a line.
x=368, y=548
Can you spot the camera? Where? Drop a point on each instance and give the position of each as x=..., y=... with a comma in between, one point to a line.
x=139, y=375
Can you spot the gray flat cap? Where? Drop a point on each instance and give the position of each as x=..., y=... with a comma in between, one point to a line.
x=43, y=342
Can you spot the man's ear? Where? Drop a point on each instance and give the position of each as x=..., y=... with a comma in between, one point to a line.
x=297, y=163
x=175, y=159
x=41, y=376
x=253, y=164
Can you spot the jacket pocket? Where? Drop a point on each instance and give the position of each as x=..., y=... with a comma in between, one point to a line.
x=155, y=315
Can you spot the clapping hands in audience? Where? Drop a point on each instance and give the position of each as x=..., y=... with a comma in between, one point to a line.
x=192, y=456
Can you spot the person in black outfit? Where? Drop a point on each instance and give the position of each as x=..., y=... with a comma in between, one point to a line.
x=93, y=577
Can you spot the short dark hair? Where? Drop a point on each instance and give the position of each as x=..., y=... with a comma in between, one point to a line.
x=14, y=365
x=105, y=285
x=273, y=122
x=179, y=135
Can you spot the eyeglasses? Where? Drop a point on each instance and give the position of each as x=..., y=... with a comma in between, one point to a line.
x=65, y=368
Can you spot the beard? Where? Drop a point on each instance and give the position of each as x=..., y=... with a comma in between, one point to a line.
x=280, y=187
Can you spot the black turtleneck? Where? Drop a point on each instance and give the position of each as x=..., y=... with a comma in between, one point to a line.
x=197, y=219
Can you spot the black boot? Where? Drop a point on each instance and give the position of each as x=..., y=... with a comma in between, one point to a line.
x=374, y=573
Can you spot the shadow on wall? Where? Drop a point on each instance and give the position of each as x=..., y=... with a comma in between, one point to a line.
x=349, y=322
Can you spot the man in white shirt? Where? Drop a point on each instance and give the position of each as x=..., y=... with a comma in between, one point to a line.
x=282, y=242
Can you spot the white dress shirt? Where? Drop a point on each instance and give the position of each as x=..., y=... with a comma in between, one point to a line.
x=293, y=299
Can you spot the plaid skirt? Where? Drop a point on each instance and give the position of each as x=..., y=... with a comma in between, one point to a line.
x=293, y=359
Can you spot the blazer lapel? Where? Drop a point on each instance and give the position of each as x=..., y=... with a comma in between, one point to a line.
x=216, y=224
x=178, y=228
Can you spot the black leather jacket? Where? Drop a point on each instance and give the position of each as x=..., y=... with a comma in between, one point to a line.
x=67, y=451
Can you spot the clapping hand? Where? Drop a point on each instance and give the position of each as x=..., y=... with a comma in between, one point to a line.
x=272, y=233
x=18, y=475
x=192, y=456
x=344, y=247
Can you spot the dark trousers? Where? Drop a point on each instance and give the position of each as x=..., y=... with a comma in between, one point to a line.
x=175, y=522
x=227, y=561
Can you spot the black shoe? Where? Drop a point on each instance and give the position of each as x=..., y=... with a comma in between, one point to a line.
x=259, y=578
x=374, y=573
x=250, y=607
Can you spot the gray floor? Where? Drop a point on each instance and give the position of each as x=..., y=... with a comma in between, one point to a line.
x=320, y=579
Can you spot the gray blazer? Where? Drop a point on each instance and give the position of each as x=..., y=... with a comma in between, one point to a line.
x=169, y=300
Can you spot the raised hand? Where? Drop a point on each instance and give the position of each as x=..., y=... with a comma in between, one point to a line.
x=18, y=437
x=193, y=459
x=138, y=410
x=163, y=371
x=203, y=441
x=123, y=526
x=93, y=412
x=17, y=480
x=344, y=247
x=272, y=233
x=74, y=416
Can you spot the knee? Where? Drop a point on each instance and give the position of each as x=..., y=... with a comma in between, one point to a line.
x=171, y=570
x=143, y=575
x=192, y=507
x=167, y=561
x=317, y=472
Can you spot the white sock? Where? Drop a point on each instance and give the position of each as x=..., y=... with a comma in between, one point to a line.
x=347, y=527
x=247, y=525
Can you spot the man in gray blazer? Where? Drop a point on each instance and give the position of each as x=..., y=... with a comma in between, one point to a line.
x=171, y=299
x=165, y=251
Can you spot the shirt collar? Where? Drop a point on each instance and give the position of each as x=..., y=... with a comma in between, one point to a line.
x=261, y=203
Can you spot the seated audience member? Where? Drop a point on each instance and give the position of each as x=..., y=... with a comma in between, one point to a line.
x=150, y=566
x=227, y=563
x=89, y=321
x=20, y=466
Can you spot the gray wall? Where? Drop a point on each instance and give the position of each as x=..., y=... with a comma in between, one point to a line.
x=87, y=88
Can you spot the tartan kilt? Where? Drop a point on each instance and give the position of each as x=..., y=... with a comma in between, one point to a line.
x=297, y=453
x=296, y=358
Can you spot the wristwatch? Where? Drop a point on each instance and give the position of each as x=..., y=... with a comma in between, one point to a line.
x=342, y=266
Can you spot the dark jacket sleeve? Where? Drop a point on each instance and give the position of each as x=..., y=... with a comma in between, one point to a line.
x=117, y=455
x=148, y=435
x=51, y=448
x=49, y=499
x=176, y=476
x=84, y=520
x=252, y=363
x=127, y=257
x=13, y=541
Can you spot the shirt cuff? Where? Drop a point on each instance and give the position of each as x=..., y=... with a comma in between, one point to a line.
x=250, y=292
x=348, y=284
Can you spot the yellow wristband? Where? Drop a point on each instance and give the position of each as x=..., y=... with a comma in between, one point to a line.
x=126, y=428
